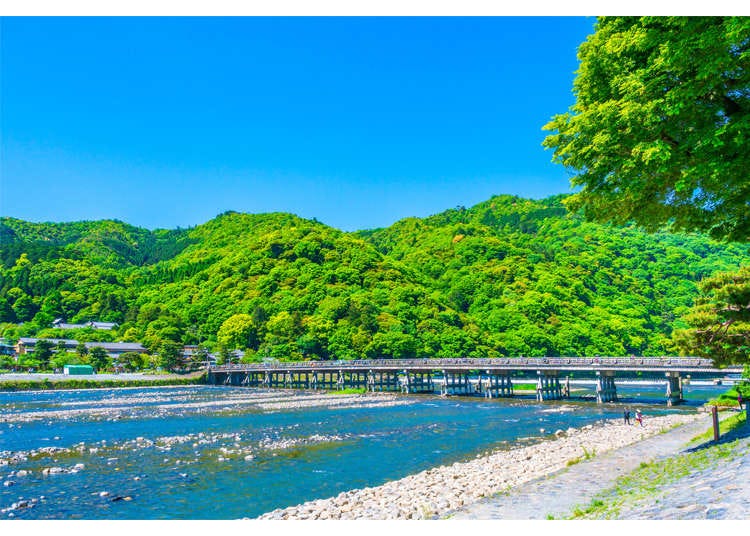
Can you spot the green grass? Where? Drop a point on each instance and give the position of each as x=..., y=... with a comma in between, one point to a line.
x=729, y=397
x=350, y=391
x=586, y=456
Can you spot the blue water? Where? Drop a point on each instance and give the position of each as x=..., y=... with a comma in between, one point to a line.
x=337, y=450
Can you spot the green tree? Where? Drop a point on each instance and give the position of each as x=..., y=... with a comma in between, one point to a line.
x=238, y=331
x=170, y=356
x=132, y=361
x=99, y=359
x=64, y=358
x=6, y=362
x=659, y=130
x=658, y=135
x=43, y=352
x=721, y=320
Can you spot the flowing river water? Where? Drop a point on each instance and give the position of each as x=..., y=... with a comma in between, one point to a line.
x=204, y=452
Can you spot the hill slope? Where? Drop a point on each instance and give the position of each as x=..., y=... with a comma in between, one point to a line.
x=509, y=276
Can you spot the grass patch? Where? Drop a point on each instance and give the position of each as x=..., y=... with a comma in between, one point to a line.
x=586, y=456
x=729, y=397
x=350, y=391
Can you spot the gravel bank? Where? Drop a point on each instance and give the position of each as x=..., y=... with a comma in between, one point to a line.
x=438, y=491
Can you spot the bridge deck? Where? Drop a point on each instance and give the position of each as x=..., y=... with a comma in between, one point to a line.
x=650, y=364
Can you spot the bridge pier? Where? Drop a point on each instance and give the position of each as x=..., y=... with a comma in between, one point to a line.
x=548, y=386
x=297, y=380
x=384, y=380
x=495, y=384
x=674, y=388
x=353, y=379
x=255, y=379
x=455, y=383
x=605, y=386
x=417, y=382
x=328, y=380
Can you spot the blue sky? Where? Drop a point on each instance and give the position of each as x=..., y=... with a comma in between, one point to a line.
x=358, y=122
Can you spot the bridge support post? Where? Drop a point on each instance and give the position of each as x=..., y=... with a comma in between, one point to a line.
x=674, y=388
x=548, y=386
x=455, y=383
x=417, y=382
x=495, y=384
x=605, y=386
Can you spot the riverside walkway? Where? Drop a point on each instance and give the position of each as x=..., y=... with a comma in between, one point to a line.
x=718, y=492
x=489, y=377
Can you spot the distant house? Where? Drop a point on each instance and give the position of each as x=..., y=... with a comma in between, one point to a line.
x=102, y=325
x=26, y=345
x=6, y=348
x=189, y=350
x=59, y=323
x=114, y=349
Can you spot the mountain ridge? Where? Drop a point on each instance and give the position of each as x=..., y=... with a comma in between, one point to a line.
x=507, y=276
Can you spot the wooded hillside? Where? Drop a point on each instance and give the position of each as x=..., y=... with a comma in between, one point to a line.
x=509, y=276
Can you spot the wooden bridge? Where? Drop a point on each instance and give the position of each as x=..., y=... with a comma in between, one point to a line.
x=489, y=377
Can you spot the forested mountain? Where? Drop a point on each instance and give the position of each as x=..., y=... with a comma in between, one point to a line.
x=509, y=276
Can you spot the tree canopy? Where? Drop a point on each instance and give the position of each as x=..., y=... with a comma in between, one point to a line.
x=720, y=319
x=660, y=128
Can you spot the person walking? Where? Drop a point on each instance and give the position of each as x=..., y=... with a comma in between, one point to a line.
x=626, y=416
x=639, y=417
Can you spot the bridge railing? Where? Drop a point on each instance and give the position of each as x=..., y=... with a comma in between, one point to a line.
x=480, y=363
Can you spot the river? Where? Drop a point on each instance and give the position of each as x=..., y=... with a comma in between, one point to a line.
x=203, y=452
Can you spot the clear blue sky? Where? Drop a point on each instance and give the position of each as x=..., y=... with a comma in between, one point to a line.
x=358, y=122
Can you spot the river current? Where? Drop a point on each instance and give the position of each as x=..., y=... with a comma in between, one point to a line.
x=205, y=452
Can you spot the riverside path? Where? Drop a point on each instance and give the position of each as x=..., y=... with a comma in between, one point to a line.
x=488, y=377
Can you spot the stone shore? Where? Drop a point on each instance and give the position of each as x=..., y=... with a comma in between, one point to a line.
x=438, y=491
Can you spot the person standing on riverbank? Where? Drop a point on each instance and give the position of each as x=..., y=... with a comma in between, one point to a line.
x=739, y=398
x=639, y=417
x=626, y=416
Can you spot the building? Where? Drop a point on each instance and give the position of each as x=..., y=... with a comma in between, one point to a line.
x=6, y=348
x=58, y=323
x=26, y=345
x=189, y=351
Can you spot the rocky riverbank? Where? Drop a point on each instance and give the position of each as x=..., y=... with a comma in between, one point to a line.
x=438, y=491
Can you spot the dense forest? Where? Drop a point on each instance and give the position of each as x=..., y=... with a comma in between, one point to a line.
x=509, y=276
